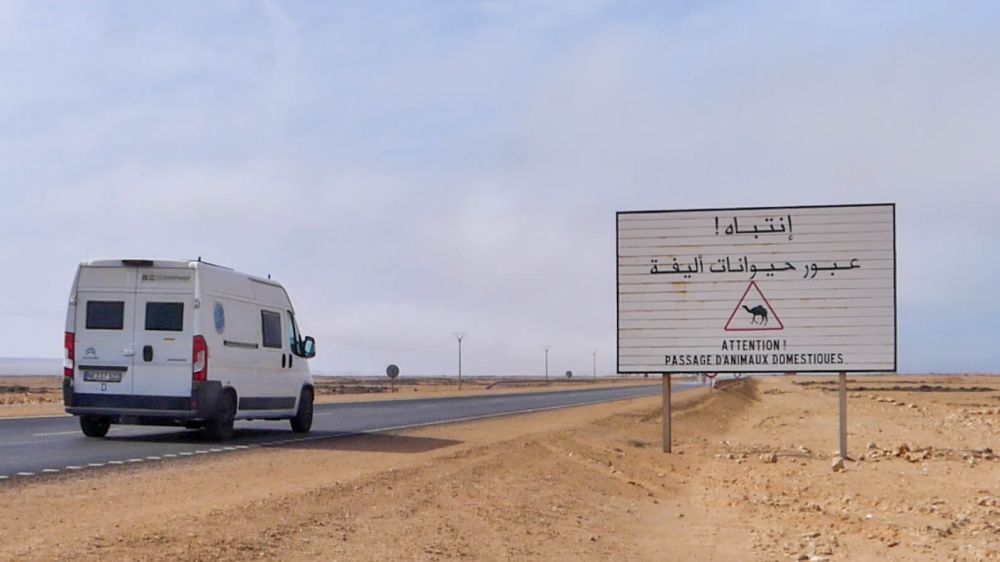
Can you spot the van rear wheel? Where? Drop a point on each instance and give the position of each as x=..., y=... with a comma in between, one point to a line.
x=303, y=420
x=220, y=426
x=95, y=426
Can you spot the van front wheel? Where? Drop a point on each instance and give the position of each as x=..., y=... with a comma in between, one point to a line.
x=220, y=426
x=95, y=426
x=303, y=420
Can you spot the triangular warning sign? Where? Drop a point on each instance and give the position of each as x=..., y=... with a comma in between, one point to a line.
x=753, y=313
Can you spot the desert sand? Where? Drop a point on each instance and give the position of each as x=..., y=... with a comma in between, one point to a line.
x=750, y=479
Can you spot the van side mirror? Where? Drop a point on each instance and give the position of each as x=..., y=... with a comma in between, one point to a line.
x=309, y=347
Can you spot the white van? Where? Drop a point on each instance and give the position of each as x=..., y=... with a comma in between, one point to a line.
x=183, y=343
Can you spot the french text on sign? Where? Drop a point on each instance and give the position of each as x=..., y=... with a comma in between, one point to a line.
x=820, y=278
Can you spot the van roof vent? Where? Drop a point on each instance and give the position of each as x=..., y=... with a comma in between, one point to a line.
x=138, y=263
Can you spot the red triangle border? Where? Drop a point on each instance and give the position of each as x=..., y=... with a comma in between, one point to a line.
x=753, y=284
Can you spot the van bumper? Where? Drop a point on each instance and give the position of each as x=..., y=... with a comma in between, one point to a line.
x=201, y=404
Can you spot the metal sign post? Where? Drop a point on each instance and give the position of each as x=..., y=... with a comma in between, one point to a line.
x=666, y=413
x=843, y=415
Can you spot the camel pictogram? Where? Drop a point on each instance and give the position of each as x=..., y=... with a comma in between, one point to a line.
x=763, y=317
x=758, y=312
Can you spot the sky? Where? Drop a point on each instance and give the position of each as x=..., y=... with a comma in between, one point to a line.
x=413, y=169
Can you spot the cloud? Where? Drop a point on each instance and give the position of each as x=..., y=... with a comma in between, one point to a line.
x=411, y=173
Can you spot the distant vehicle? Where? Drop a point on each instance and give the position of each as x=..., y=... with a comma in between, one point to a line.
x=183, y=343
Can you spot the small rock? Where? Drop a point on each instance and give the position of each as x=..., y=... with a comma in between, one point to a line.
x=769, y=458
x=837, y=464
x=871, y=445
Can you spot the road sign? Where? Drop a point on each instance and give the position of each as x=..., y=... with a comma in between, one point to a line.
x=392, y=371
x=767, y=289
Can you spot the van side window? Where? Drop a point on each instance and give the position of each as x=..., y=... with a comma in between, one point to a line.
x=165, y=316
x=105, y=315
x=270, y=323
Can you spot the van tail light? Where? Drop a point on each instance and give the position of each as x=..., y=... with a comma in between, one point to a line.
x=199, y=359
x=69, y=346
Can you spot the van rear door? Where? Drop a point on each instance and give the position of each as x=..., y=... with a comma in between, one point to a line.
x=164, y=311
x=105, y=302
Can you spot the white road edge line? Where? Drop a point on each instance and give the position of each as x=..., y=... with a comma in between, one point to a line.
x=41, y=417
x=496, y=415
x=54, y=433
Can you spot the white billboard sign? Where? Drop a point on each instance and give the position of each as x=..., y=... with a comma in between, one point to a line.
x=777, y=289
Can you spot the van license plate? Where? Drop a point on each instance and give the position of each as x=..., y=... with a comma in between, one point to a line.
x=102, y=376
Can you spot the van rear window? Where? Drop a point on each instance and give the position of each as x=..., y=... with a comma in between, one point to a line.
x=270, y=323
x=105, y=315
x=165, y=316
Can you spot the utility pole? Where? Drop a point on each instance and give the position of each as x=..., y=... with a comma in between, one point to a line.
x=595, y=364
x=546, y=348
x=459, y=336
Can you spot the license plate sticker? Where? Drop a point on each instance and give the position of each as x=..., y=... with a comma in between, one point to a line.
x=102, y=376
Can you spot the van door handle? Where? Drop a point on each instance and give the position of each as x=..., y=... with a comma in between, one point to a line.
x=289, y=360
x=147, y=353
x=282, y=360
x=128, y=352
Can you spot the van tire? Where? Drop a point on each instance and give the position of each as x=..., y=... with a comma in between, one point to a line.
x=95, y=426
x=303, y=420
x=220, y=426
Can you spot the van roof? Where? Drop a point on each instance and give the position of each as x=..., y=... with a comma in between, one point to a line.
x=192, y=264
x=150, y=263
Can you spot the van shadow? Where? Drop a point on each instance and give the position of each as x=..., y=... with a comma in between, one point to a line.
x=315, y=441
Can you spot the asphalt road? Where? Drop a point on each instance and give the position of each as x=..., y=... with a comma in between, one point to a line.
x=48, y=445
